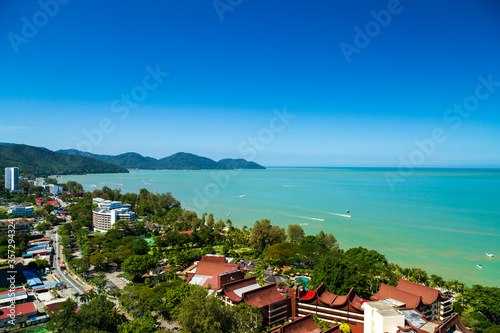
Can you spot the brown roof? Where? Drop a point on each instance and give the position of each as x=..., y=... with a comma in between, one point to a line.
x=411, y=301
x=231, y=286
x=324, y=295
x=216, y=272
x=355, y=300
x=263, y=296
x=429, y=295
x=452, y=322
x=333, y=300
x=214, y=267
x=303, y=325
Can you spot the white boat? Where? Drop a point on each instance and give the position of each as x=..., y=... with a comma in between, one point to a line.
x=479, y=265
x=489, y=254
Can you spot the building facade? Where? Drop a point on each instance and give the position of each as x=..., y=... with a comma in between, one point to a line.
x=327, y=306
x=109, y=212
x=12, y=179
x=21, y=210
x=411, y=295
x=20, y=225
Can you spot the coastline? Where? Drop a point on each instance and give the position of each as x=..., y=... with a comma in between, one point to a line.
x=414, y=233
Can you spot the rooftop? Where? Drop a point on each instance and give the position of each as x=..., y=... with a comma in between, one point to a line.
x=20, y=309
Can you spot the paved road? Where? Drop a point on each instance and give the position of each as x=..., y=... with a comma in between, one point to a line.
x=72, y=286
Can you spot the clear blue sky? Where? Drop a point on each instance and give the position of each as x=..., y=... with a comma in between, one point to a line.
x=64, y=71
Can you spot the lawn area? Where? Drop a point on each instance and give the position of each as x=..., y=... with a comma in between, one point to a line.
x=36, y=329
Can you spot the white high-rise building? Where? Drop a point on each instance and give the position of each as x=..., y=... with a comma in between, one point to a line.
x=12, y=179
x=109, y=212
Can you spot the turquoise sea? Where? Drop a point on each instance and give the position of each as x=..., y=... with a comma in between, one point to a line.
x=442, y=220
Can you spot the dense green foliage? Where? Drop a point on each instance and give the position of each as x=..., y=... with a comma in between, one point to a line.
x=178, y=161
x=338, y=274
x=137, y=265
x=263, y=234
x=98, y=315
x=43, y=162
x=201, y=312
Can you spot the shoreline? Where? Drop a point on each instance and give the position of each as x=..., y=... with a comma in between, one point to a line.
x=369, y=229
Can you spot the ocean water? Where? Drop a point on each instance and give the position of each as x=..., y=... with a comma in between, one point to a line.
x=442, y=220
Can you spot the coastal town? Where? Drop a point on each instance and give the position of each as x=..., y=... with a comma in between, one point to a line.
x=79, y=248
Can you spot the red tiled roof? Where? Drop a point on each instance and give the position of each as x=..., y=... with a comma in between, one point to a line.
x=412, y=301
x=429, y=295
x=52, y=307
x=54, y=203
x=20, y=309
x=188, y=232
x=263, y=296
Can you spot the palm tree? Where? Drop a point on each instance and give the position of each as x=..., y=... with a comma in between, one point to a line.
x=76, y=296
x=455, y=285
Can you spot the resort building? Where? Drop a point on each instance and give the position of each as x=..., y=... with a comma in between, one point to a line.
x=20, y=225
x=21, y=210
x=411, y=295
x=214, y=270
x=109, y=212
x=380, y=317
x=12, y=179
x=275, y=307
x=327, y=306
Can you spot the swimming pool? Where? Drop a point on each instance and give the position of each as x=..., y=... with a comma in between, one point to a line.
x=305, y=279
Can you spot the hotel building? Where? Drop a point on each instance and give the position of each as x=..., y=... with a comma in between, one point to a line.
x=12, y=179
x=109, y=212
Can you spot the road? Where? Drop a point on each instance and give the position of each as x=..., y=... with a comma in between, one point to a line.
x=73, y=286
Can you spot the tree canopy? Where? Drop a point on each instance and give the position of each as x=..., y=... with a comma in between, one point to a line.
x=263, y=234
x=338, y=274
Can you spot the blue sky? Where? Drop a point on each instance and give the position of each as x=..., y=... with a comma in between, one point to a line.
x=67, y=68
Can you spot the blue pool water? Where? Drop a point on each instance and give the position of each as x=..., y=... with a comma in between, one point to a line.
x=305, y=279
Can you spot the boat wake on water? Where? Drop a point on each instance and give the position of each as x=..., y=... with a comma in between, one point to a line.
x=243, y=195
x=341, y=215
x=306, y=217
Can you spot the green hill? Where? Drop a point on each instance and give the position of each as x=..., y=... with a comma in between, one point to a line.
x=239, y=163
x=178, y=161
x=43, y=162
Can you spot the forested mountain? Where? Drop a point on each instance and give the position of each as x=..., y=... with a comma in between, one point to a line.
x=178, y=161
x=239, y=163
x=43, y=162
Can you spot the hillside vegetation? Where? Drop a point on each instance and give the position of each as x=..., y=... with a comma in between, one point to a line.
x=42, y=162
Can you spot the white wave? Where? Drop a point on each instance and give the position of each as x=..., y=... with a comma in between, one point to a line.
x=341, y=215
x=304, y=224
x=306, y=217
x=243, y=195
x=92, y=185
